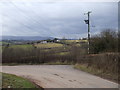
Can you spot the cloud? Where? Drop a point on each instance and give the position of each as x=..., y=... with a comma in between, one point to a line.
x=56, y=19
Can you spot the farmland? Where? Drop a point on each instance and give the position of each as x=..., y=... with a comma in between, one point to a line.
x=40, y=52
x=20, y=46
x=49, y=45
x=1, y=42
x=74, y=41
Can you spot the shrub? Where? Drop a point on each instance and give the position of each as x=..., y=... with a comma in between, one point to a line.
x=106, y=41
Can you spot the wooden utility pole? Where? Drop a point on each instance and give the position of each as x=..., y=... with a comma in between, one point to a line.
x=88, y=22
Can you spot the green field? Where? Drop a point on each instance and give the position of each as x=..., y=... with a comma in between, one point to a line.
x=25, y=46
x=21, y=46
x=62, y=53
x=74, y=41
x=1, y=42
x=49, y=45
x=13, y=81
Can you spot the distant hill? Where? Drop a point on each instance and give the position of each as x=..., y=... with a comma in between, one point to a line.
x=25, y=38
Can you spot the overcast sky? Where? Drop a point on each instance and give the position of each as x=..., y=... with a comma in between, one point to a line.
x=56, y=19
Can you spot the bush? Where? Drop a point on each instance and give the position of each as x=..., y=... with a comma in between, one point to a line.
x=106, y=41
x=39, y=55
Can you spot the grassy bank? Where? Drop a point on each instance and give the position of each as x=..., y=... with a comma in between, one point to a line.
x=59, y=63
x=13, y=81
x=48, y=63
x=97, y=72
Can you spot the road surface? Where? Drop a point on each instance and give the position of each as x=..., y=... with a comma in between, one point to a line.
x=58, y=76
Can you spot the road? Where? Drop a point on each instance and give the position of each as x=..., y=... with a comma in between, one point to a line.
x=58, y=76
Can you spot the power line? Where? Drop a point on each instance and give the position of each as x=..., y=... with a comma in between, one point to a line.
x=27, y=17
x=35, y=21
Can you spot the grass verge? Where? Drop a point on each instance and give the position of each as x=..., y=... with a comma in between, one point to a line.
x=48, y=63
x=97, y=72
x=58, y=63
x=13, y=81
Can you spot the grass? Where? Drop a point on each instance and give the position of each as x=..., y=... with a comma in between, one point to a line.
x=83, y=67
x=48, y=63
x=62, y=53
x=11, y=64
x=74, y=41
x=1, y=42
x=49, y=45
x=97, y=72
x=13, y=81
x=0, y=48
x=58, y=63
x=25, y=46
x=78, y=45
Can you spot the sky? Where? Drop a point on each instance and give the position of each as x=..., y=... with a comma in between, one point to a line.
x=56, y=18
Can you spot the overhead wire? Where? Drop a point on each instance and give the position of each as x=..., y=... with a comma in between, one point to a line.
x=35, y=21
x=28, y=18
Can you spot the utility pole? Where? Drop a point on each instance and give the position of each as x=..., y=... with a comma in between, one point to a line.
x=88, y=22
